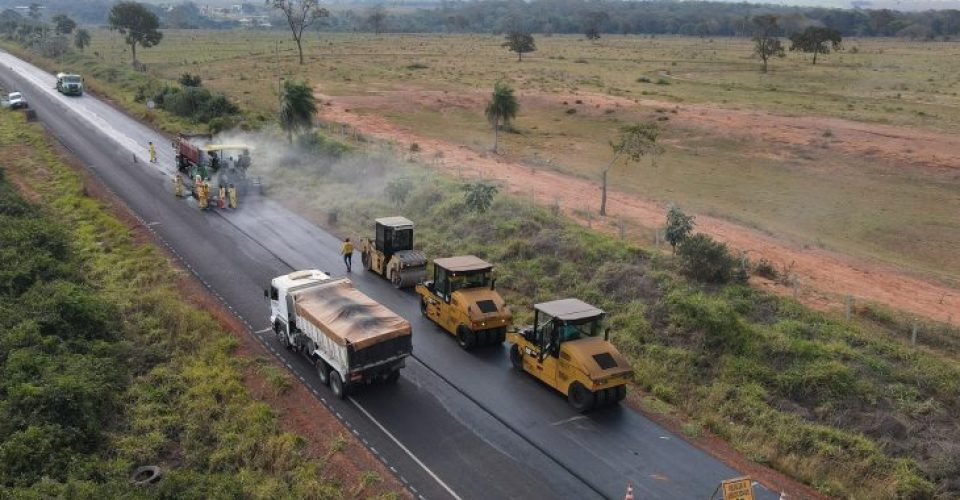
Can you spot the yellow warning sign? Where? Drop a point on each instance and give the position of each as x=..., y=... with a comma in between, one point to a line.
x=740, y=488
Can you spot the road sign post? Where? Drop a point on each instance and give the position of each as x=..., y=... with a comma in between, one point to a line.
x=740, y=488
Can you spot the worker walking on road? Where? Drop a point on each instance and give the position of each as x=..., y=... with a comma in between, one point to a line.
x=153, y=152
x=347, y=251
x=222, y=197
x=232, y=194
x=177, y=185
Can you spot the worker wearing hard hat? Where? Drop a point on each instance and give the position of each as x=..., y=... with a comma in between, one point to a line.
x=232, y=194
x=153, y=152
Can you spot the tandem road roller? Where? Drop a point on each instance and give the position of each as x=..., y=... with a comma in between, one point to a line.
x=391, y=255
x=462, y=299
x=568, y=349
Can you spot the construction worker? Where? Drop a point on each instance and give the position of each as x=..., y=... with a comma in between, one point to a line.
x=153, y=152
x=232, y=193
x=347, y=251
x=222, y=198
x=201, y=193
x=177, y=185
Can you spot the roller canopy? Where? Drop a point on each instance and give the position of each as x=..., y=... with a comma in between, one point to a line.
x=348, y=316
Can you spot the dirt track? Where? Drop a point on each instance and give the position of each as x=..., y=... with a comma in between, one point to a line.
x=825, y=276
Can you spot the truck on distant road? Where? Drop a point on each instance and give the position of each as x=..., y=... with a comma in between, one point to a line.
x=351, y=339
x=69, y=84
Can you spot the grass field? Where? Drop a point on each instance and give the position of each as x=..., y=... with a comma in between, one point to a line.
x=822, y=189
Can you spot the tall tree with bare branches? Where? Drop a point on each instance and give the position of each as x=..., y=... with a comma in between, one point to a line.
x=300, y=15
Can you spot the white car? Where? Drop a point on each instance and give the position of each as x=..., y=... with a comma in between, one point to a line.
x=16, y=101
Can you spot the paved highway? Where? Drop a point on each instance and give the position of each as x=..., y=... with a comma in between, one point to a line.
x=458, y=425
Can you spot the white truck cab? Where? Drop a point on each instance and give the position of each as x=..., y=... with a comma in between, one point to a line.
x=351, y=339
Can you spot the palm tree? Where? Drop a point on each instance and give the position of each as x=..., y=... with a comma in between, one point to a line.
x=81, y=39
x=297, y=107
x=502, y=108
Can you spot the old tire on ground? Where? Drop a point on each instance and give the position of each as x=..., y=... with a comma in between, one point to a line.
x=337, y=385
x=580, y=398
x=365, y=259
x=148, y=474
x=323, y=372
x=515, y=358
x=392, y=377
x=466, y=337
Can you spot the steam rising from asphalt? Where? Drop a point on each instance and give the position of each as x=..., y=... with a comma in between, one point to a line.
x=273, y=159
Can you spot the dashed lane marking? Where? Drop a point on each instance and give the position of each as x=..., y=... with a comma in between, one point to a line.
x=406, y=450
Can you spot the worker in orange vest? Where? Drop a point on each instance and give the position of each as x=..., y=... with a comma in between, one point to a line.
x=222, y=198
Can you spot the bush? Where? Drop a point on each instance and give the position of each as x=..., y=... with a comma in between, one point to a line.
x=706, y=260
x=188, y=80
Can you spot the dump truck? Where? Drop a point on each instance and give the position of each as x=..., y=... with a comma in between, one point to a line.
x=217, y=164
x=461, y=299
x=69, y=84
x=391, y=255
x=351, y=339
x=568, y=348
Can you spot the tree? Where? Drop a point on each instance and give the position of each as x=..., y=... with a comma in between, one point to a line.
x=137, y=24
x=377, y=18
x=520, y=42
x=300, y=14
x=634, y=142
x=81, y=39
x=479, y=196
x=398, y=190
x=501, y=108
x=63, y=25
x=816, y=40
x=592, y=22
x=298, y=106
x=33, y=11
x=678, y=227
x=766, y=43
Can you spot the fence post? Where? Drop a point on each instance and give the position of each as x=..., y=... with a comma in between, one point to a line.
x=848, y=306
x=913, y=333
x=621, y=227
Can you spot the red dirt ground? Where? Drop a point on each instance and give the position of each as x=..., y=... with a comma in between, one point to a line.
x=825, y=276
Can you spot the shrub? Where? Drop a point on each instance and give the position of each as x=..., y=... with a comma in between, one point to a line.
x=643, y=79
x=706, y=260
x=188, y=80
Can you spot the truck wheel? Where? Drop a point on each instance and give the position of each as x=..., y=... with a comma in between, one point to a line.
x=620, y=394
x=337, y=386
x=392, y=377
x=602, y=398
x=365, y=259
x=516, y=359
x=580, y=398
x=502, y=336
x=396, y=279
x=323, y=372
x=466, y=337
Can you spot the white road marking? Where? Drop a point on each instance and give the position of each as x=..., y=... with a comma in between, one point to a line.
x=568, y=420
x=406, y=450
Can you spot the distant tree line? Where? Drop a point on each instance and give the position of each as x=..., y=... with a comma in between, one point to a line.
x=651, y=17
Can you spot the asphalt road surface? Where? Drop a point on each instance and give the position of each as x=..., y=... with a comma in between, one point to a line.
x=458, y=424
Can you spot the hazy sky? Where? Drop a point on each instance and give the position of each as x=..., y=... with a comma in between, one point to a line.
x=869, y=4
